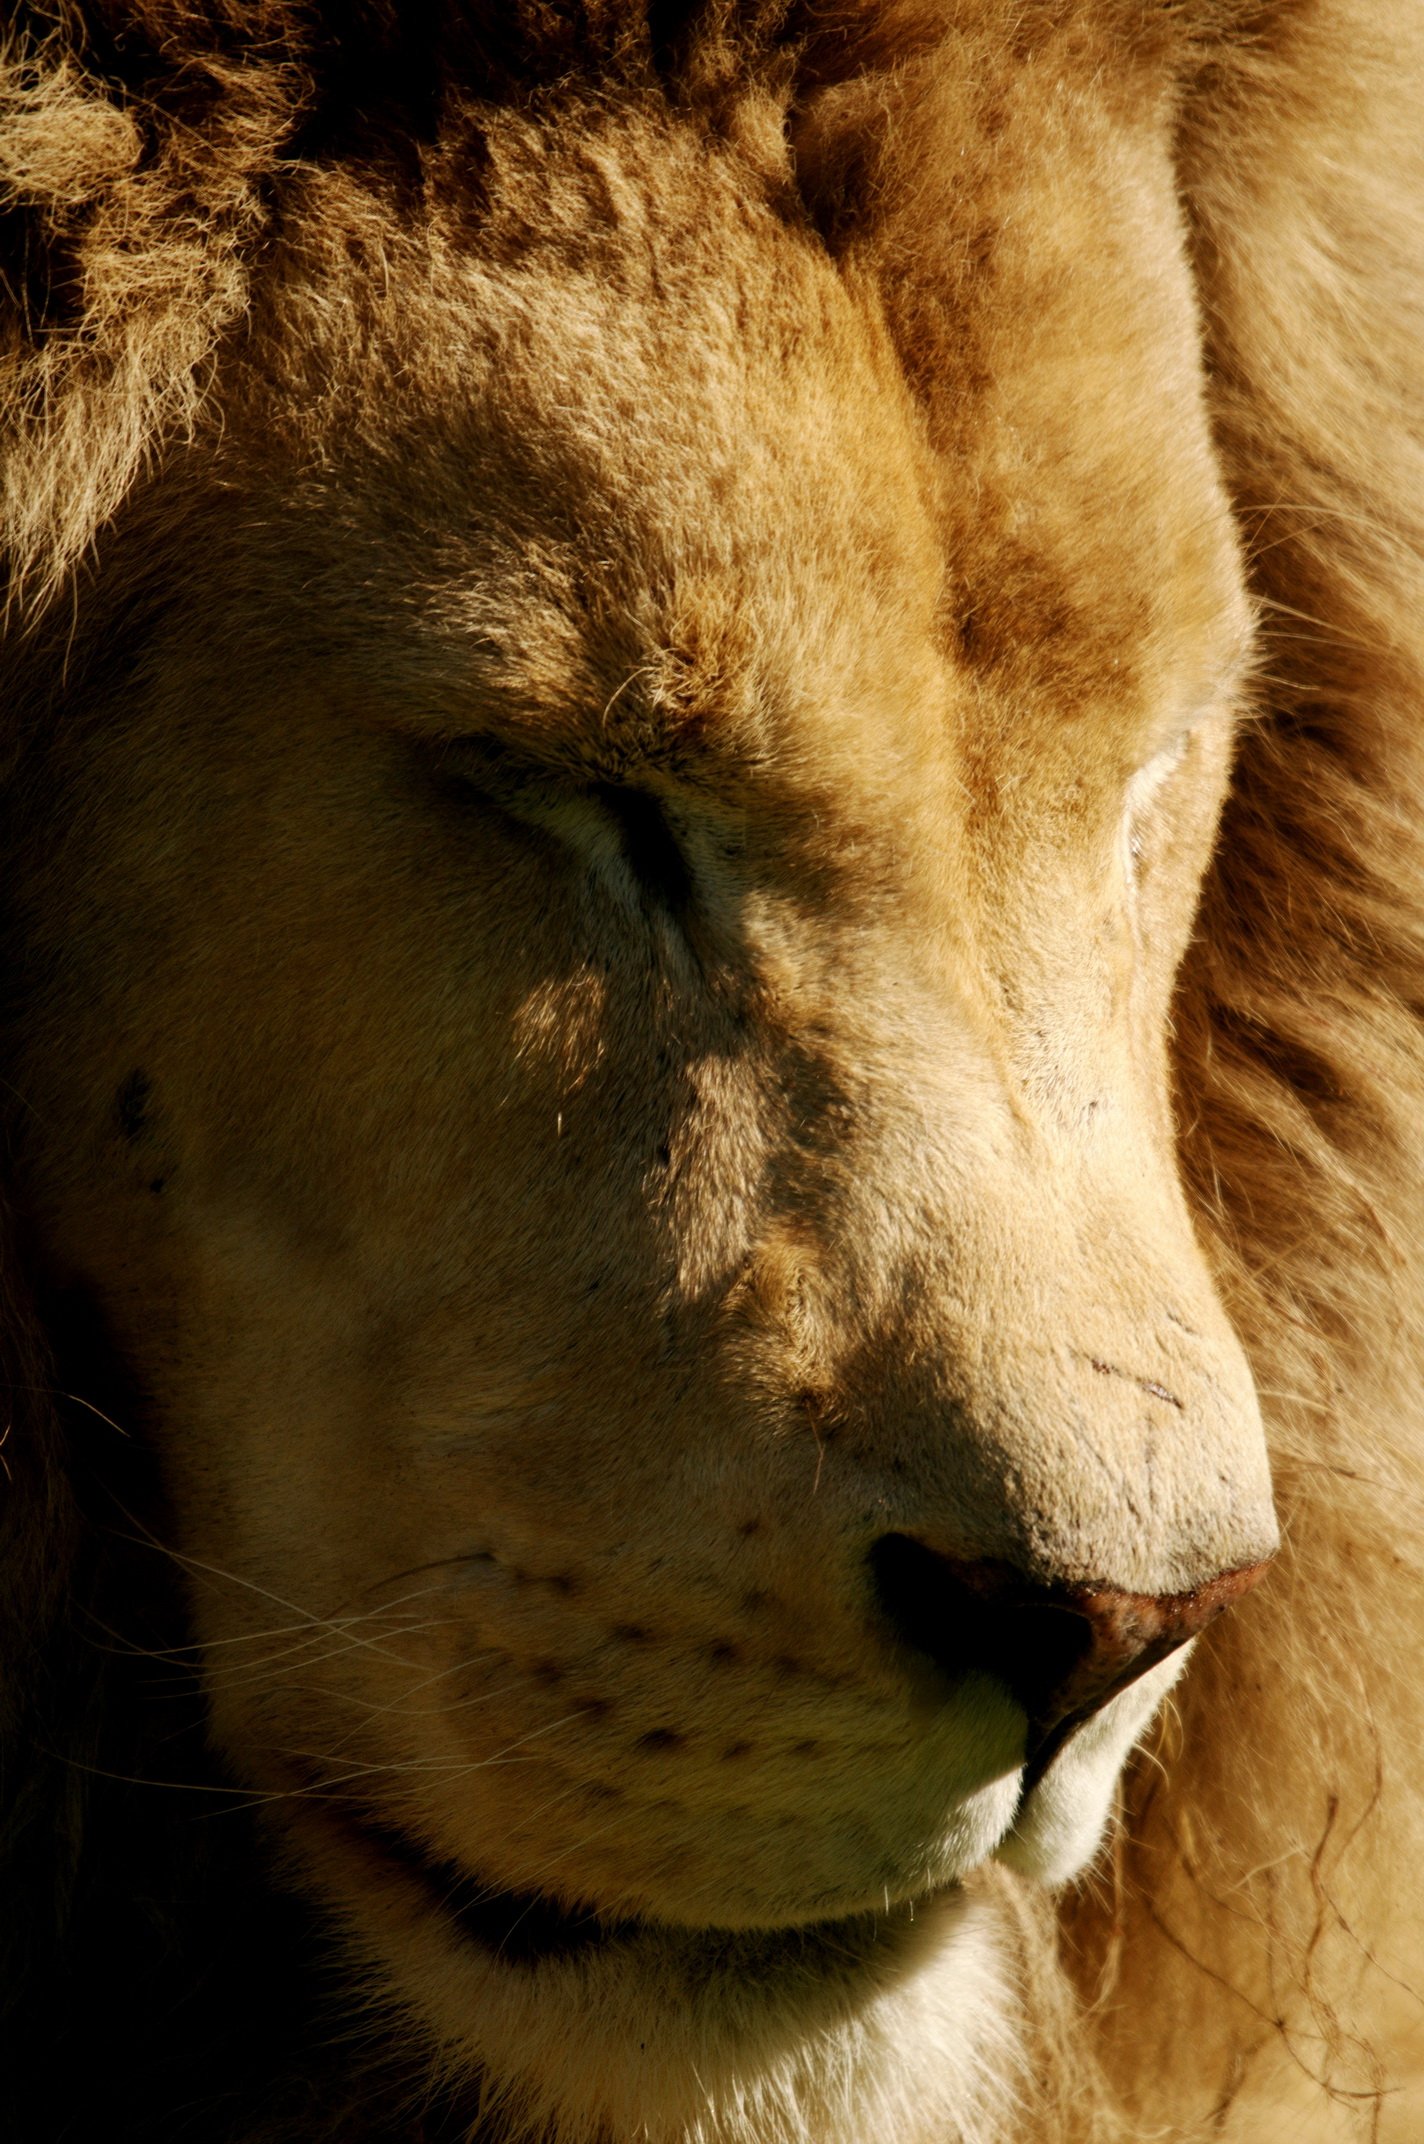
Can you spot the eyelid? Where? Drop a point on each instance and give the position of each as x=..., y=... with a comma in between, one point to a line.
x=493, y=764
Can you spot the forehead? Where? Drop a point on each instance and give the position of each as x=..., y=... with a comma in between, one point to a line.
x=687, y=462
x=1054, y=344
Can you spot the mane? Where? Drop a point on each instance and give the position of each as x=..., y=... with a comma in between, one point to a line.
x=147, y=158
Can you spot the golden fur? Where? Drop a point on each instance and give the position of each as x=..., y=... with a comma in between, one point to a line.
x=820, y=469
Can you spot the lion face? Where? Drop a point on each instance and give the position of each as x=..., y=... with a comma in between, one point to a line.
x=603, y=1022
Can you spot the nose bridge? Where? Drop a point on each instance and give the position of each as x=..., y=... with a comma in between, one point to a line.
x=991, y=1296
x=1135, y=1461
x=1027, y=1353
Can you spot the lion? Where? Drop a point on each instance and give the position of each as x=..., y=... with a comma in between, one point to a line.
x=712, y=1067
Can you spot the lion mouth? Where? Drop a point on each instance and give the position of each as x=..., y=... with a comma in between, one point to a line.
x=522, y=1927
x=531, y=1928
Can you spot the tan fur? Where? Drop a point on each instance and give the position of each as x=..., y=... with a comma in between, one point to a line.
x=712, y=819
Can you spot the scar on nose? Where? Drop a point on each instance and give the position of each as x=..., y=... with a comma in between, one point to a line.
x=1143, y=1384
x=135, y=1092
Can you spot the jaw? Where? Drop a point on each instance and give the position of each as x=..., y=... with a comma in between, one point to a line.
x=564, y=2024
x=580, y=2024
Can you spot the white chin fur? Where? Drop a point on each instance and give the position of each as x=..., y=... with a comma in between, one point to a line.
x=1060, y=1827
x=674, y=2039
x=896, y=2025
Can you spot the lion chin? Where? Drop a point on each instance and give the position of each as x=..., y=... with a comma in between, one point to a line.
x=711, y=1214
x=631, y=2026
x=564, y=2004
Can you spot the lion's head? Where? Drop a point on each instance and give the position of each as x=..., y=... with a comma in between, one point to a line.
x=598, y=863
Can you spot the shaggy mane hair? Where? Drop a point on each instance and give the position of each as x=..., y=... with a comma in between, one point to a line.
x=1241, y=1968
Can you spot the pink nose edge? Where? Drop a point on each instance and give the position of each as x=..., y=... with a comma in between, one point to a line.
x=1064, y=1651
x=1128, y=1634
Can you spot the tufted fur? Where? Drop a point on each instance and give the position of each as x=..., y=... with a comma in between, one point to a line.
x=228, y=234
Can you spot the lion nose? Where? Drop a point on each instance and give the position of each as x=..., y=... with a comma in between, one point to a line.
x=1063, y=1650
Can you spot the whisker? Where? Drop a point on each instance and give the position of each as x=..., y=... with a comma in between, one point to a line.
x=429, y=1712
x=144, y=1537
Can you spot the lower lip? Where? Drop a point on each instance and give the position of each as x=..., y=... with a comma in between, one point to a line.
x=528, y=1929
x=521, y=1927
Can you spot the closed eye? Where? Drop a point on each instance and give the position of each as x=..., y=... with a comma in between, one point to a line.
x=583, y=813
x=650, y=847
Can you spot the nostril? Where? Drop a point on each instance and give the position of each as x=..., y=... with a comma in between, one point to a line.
x=1062, y=1650
x=979, y=1617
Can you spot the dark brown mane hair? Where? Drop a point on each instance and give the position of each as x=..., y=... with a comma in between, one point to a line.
x=148, y=153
